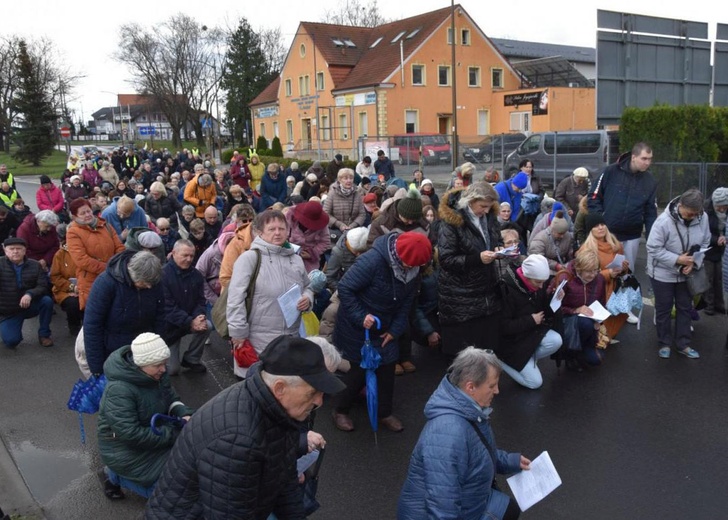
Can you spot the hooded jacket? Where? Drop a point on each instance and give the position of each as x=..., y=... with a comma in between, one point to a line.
x=117, y=312
x=467, y=286
x=371, y=287
x=137, y=218
x=273, y=190
x=280, y=269
x=91, y=247
x=236, y=458
x=184, y=299
x=451, y=470
x=506, y=193
x=313, y=242
x=626, y=199
x=127, y=444
x=672, y=236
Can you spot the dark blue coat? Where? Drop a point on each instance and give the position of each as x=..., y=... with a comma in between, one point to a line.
x=184, y=299
x=117, y=312
x=370, y=287
x=625, y=199
x=273, y=190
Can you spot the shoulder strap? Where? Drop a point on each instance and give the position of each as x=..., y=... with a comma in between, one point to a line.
x=251, y=285
x=488, y=447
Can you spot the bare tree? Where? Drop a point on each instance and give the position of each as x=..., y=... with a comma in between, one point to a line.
x=353, y=12
x=271, y=43
x=180, y=64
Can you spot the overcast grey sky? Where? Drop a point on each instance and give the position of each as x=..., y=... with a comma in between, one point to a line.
x=86, y=32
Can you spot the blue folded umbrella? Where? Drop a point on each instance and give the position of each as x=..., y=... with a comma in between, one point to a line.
x=370, y=360
x=85, y=398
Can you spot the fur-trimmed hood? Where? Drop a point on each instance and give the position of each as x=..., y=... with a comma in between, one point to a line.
x=449, y=212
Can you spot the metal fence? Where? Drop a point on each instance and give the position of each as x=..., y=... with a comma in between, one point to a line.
x=675, y=178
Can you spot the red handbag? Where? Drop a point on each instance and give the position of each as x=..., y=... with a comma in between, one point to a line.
x=245, y=355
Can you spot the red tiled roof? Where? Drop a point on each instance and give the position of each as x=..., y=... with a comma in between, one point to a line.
x=269, y=94
x=378, y=63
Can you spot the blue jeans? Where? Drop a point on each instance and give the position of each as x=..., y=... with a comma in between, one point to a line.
x=11, y=328
x=588, y=335
x=530, y=376
x=118, y=480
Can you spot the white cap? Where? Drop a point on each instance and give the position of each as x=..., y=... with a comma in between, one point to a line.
x=149, y=349
x=536, y=267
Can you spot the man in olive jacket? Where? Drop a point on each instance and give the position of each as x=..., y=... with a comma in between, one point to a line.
x=25, y=294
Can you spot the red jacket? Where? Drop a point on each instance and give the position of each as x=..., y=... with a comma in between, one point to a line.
x=576, y=292
x=51, y=199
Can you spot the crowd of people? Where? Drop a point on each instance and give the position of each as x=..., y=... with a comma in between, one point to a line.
x=139, y=249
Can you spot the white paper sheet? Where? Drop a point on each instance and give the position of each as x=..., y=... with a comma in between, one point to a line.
x=508, y=251
x=287, y=302
x=531, y=486
x=556, y=301
x=305, y=462
x=617, y=262
x=699, y=256
x=600, y=313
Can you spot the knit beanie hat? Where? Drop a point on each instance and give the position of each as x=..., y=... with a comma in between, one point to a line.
x=149, y=349
x=414, y=249
x=357, y=238
x=410, y=206
x=536, y=267
x=520, y=180
x=149, y=240
x=559, y=223
x=369, y=197
x=720, y=197
x=592, y=220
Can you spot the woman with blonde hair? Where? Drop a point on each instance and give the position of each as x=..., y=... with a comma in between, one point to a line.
x=606, y=246
x=584, y=286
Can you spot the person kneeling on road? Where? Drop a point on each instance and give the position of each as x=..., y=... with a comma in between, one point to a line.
x=138, y=387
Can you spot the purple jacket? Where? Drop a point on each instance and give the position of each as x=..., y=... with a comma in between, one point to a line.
x=41, y=246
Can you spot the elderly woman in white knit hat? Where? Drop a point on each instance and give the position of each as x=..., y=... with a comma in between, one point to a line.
x=138, y=388
x=570, y=190
x=526, y=335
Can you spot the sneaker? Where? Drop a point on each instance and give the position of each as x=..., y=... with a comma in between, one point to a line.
x=614, y=341
x=631, y=318
x=664, y=352
x=689, y=353
x=46, y=342
x=197, y=368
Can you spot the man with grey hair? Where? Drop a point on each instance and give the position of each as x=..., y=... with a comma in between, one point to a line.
x=125, y=300
x=184, y=309
x=236, y=458
x=452, y=469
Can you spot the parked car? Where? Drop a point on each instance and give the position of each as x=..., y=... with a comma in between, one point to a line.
x=555, y=155
x=493, y=148
x=435, y=148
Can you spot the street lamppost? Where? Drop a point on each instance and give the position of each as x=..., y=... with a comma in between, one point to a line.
x=121, y=115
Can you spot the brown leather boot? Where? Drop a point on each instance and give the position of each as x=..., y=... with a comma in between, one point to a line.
x=392, y=423
x=343, y=422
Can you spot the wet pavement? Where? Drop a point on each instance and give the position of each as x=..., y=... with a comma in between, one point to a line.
x=639, y=437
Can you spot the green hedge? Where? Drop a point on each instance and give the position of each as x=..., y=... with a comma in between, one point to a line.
x=303, y=164
x=678, y=134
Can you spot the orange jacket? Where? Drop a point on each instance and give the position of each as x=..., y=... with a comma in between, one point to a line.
x=200, y=197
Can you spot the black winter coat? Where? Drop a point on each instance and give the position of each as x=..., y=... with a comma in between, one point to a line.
x=716, y=252
x=520, y=336
x=236, y=458
x=467, y=287
x=166, y=207
x=184, y=299
x=33, y=281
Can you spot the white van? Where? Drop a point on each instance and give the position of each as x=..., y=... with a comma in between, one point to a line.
x=555, y=155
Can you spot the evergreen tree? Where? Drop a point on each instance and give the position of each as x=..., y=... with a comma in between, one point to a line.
x=33, y=103
x=276, y=150
x=261, y=144
x=249, y=71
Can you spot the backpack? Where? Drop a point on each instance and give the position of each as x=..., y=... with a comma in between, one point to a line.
x=219, y=310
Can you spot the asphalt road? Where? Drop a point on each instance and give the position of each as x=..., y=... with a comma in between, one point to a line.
x=640, y=437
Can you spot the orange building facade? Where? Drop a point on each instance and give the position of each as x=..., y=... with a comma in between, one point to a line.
x=342, y=86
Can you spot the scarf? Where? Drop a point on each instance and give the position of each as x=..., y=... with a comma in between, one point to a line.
x=400, y=273
x=528, y=285
x=481, y=224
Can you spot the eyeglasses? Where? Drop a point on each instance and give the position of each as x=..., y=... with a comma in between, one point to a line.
x=511, y=242
x=246, y=220
x=163, y=229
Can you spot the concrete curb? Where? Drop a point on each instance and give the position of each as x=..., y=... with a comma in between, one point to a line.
x=15, y=497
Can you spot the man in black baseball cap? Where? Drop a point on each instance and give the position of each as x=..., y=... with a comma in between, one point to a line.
x=236, y=457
